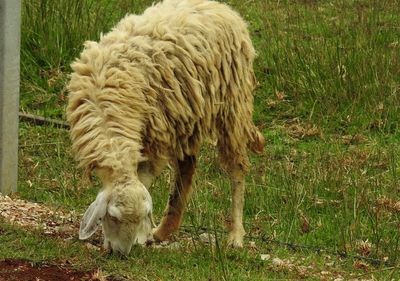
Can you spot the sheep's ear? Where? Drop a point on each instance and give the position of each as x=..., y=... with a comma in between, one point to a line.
x=93, y=216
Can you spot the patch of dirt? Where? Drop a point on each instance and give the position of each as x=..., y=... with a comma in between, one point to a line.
x=306, y=131
x=393, y=206
x=299, y=130
x=22, y=270
x=33, y=215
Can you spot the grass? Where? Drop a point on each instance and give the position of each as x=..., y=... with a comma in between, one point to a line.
x=328, y=104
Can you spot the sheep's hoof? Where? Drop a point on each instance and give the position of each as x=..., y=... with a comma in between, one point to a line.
x=159, y=235
x=235, y=240
x=236, y=244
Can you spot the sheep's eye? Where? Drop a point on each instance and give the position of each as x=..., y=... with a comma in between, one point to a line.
x=112, y=218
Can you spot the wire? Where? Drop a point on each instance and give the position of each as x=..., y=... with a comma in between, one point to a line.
x=294, y=246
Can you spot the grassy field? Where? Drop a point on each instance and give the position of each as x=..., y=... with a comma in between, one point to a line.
x=328, y=103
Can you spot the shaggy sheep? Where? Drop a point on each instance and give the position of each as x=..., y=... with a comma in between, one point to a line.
x=148, y=94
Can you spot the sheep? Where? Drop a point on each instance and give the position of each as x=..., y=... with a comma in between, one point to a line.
x=147, y=95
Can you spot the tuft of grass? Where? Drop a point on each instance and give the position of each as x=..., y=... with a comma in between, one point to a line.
x=337, y=62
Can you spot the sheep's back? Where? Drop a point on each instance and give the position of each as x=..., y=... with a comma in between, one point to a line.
x=203, y=55
x=194, y=59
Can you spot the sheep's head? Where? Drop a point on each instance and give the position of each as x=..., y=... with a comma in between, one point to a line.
x=125, y=212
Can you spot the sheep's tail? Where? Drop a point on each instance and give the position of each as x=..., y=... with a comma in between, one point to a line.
x=257, y=141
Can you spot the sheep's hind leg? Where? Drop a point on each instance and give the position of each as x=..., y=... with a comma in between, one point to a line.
x=177, y=200
x=236, y=231
x=234, y=160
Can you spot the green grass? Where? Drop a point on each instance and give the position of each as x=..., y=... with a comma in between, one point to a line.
x=328, y=104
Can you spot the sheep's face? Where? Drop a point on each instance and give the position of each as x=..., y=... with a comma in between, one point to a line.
x=125, y=212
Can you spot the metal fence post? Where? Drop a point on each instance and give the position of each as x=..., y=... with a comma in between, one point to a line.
x=10, y=24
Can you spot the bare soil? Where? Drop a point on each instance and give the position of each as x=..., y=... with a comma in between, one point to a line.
x=23, y=270
x=38, y=216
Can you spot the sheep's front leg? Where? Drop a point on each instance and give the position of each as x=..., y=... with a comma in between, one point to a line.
x=177, y=200
x=236, y=231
